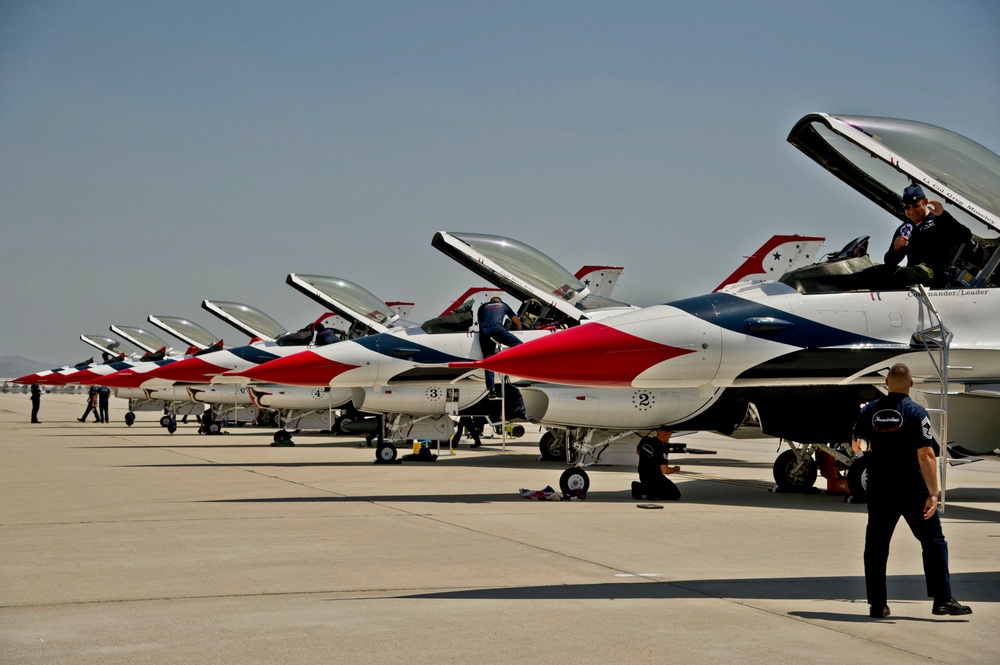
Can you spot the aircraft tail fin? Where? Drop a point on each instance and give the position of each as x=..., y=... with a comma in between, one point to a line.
x=403, y=309
x=600, y=279
x=776, y=257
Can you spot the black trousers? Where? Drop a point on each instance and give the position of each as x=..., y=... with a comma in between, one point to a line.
x=883, y=515
x=35, y=403
x=658, y=486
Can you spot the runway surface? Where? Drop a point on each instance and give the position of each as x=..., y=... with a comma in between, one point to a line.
x=131, y=545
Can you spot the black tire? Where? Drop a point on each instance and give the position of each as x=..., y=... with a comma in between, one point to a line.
x=385, y=453
x=516, y=431
x=214, y=428
x=857, y=479
x=165, y=421
x=172, y=426
x=792, y=476
x=129, y=418
x=282, y=436
x=552, y=448
x=575, y=481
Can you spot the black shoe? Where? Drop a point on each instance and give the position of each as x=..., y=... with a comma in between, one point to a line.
x=636, y=490
x=36, y=422
x=476, y=444
x=81, y=420
x=877, y=612
x=951, y=607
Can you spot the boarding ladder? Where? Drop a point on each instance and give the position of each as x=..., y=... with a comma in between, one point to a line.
x=936, y=340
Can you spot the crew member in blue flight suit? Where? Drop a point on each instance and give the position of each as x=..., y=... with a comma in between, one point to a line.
x=653, y=467
x=36, y=402
x=491, y=316
x=928, y=242
x=103, y=395
x=902, y=482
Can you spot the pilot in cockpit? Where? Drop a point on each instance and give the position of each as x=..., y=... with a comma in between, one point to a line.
x=927, y=241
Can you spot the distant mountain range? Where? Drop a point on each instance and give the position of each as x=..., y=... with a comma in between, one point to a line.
x=12, y=367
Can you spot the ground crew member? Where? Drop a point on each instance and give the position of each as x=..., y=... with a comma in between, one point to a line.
x=491, y=316
x=103, y=395
x=91, y=406
x=36, y=401
x=902, y=482
x=653, y=468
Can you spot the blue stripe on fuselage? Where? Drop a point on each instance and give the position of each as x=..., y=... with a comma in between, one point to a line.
x=385, y=344
x=729, y=312
x=253, y=354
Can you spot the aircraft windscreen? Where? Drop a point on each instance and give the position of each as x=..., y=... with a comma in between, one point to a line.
x=961, y=164
x=189, y=331
x=906, y=142
x=251, y=317
x=360, y=301
x=109, y=344
x=143, y=338
x=526, y=263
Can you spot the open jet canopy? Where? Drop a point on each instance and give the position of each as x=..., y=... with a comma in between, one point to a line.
x=246, y=319
x=354, y=303
x=183, y=329
x=144, y=339
x=879, y=157
x=108, y=345
x=522, y=271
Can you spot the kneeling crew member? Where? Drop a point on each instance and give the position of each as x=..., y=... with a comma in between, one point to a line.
x=653, y=468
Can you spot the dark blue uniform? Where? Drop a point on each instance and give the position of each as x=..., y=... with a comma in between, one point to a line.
x=103, y=395
x=36, y=401
x=930, y=249
x=896, y=428
x=91, y=406
x=652, y=482
x=491, y=316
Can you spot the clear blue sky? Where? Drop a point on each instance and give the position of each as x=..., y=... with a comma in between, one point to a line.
x=153, y=154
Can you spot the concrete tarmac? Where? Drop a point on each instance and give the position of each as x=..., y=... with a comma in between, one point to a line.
x=131, y=545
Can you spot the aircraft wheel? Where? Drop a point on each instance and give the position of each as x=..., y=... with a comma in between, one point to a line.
x=214, y=428
x=553, y=448
x=385, y=453
x=282, y=436
x=574, y=480
x=172, y=426
x=165, y=421
x=129, y=418
x=790, y=475
x=857, y=479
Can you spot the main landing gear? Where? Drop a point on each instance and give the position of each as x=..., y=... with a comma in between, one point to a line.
x=846, y=472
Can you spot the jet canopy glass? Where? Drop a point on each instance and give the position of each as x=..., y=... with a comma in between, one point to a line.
x=347, y=298
x=954, y=169
x=189, y=331
x=142, y=338
x=520, y=270
x=107, y=345
x=245, y=318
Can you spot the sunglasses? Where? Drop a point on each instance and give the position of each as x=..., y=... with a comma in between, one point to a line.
x=907, y=206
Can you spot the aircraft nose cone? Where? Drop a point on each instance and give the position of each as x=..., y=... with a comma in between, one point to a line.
x=305, y=368
x=189, y=370
x=27, y=379
x=590, y=355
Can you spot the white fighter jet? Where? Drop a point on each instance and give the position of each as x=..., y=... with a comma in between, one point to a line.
x=809, y=349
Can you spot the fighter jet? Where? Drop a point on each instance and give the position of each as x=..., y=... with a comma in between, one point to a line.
x=809, y=349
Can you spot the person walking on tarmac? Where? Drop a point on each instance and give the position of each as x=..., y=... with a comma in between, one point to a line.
x=491, y=316
x=91, y=406
x=36, y=401
x=653, y=467
x=902, y=482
